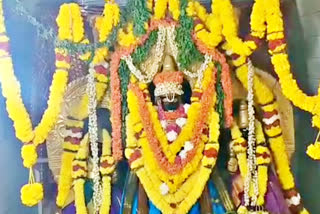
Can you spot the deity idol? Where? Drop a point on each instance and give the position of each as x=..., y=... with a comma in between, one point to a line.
x=171, y=106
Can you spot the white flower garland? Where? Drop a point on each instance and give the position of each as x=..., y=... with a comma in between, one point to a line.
x=164, y=33
x=93, y=137
x=252, y=174
x=155, y=64
x=171, y=35
x=167, y=88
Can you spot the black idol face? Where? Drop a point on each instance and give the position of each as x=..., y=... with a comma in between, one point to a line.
x=169, y=103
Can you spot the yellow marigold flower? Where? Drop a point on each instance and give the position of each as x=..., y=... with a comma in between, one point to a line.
x=31, y=194
x=29, y=155
x=314, y=151
x=127, y=39
x=242, y=210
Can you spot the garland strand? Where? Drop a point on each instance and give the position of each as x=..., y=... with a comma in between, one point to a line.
x=188, y=53
x=124, y=79
x=32, y=192
x=220, y=95
x=93, y=137
x=142, y=52
x=49, y=34
x=252, y=175
x=139, y=16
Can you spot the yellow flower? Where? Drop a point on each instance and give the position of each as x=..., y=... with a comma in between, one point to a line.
x=314, y=151
x=257, y=21
x=79, y=196
x=70, y=23
x=110, y=19
x=289, y=85
x=278, y=148
x=174, y=8
x=106, y=199
x=304, y=211
x=262, y=183
x=127, y=39
x=31, y=194
x=263, y=93
x=160, y=9
x=242, y=210
x=57, y=89
x=29, y=155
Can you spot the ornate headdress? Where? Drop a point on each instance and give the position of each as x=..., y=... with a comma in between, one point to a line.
x=169, y=81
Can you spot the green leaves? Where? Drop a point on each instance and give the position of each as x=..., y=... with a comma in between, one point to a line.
x=141, y=52
x=139, y=14
x=188, y=53
x=220, y=95
x=124, y=74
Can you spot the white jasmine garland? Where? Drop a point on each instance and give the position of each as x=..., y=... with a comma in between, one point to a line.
x=252, y=175
x=151, y=72
x=171, y=35
x=93, y=137
x=168, y=88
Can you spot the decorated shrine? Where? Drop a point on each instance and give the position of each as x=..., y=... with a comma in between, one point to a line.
x=161, y=106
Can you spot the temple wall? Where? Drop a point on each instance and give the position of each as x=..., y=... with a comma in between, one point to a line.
x=309, y=12
x=305, y=53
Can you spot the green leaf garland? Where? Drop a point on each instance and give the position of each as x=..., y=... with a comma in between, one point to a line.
x=139, y=14
x=141, y=52
x=188, y=53
x=124, y=74
x=220, y=95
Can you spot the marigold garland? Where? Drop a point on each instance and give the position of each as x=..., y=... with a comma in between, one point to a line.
x=70, y=23
x=263, y=161
x=225, y=79
x=151, y=182
x=110, y=19
x=148, y=153
x=107, y=167
x=257, y=21
x=71, y=147
x=79, y=173
x=115, y=87
x=263, y=95
x=160, y=8
x=265, y=98
x=18, y=113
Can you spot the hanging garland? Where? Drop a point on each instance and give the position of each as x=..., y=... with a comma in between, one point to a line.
x=142, y=52
x=124, y=78
x=220, y=95
x=140, y=17
x=32, y=193
x=188, y=53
